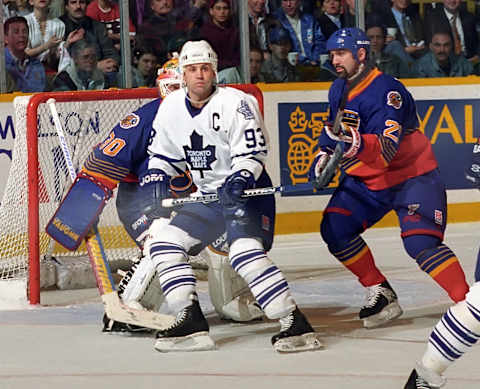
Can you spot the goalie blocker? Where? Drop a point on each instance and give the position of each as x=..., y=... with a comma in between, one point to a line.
x=78, y=211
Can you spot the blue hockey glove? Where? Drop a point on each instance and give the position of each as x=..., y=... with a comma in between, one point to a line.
x=230, y=193
x=155, y=183
x=472, y=173
x=230, y=196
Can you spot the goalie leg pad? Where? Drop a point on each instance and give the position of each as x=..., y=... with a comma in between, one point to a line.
x=140, y=288
x=266, y=281
x=78, y=211
x=229, y=293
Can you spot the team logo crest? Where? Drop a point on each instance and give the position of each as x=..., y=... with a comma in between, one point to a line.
x=129, y=121
x=438, y=217
x=245, y=110
x=198, y=157
x=394, y=99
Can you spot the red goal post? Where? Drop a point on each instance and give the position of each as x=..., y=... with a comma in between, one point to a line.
x=41, y=172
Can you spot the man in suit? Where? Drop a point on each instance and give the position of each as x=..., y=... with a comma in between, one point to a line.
x=408, y=42
x=461, y=25
x=330, y=19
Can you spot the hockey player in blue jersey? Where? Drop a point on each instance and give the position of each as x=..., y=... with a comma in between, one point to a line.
x=459, y=328
x=218, y=133
x=388, y=164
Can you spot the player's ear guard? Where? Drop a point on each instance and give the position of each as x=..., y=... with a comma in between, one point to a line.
x=78, y=211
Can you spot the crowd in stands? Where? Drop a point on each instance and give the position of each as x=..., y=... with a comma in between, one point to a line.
x=75, y=44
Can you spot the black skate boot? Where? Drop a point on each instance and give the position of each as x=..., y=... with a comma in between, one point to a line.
x=296, y=334
x=118, y=328
x=417, y=382
x=381, y=307
x=188, y=333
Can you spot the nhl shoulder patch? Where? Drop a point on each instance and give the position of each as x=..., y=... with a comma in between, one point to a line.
x=129, y=121
x=394, y=99
x=245, y=110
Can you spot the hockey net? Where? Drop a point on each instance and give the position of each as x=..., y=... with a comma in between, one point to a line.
x=38, y=179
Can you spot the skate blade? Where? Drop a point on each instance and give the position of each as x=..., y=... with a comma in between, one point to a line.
x=297, y=344
x=389, y=313
x=199, y=341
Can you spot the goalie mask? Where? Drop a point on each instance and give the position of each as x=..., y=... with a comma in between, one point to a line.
x=169, y=77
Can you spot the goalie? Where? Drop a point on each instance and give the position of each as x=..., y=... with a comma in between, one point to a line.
x=122, y=159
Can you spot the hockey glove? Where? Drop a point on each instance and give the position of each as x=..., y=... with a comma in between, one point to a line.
x=348, y=135
x=324, y=167
x=230, y=195
x=155, y=183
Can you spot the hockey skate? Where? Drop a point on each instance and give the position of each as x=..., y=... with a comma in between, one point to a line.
x=296, y=335
x=381, y=307
x=423, y=378
x=188, y=333
x=113, y=327
x=417, y=382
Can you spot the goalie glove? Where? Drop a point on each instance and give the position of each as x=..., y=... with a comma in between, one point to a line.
x=348, y=135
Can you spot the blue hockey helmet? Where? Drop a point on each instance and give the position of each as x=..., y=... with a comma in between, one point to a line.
x=350, y=38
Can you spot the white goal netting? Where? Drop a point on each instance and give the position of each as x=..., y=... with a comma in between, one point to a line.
x=85, y=123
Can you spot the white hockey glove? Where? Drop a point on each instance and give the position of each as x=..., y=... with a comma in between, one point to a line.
x=349, y=135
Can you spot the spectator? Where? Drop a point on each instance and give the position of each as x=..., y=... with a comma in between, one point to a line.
x=16, y=8
x=441, y=61
x=387, y=63
x=56, y=9
x=108, y=13
x=28, y=73
x=145, y=67
x=222, y=34
x=277, y=68
x=256, y=61
x=305, y=32
x=232, y=75
x=175, y=43
x=44, y=34
x=75, y=19
x=330, y=19
x=408, y=42
x=191, y=15
x=158, y=28
x=82, y=73
x=461, y=25
x=349, y=13
x=259, y=24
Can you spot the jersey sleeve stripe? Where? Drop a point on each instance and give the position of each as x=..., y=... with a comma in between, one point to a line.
x=95, y=165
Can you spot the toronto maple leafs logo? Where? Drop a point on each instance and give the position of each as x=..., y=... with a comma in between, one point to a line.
x=245, y=110
x=198, y=157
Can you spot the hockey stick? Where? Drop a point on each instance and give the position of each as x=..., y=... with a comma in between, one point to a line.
x=208, y=198
x=330, y=169
x=114, y=308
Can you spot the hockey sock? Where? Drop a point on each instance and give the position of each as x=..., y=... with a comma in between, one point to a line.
x=456, y=332
x=443, y=266
x=357, y=257
x=266, y=281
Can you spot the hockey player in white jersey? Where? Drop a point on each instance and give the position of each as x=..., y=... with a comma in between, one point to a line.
x=459, y=328
x=219, y=135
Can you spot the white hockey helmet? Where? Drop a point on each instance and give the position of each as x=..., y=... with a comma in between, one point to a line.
x=169, y=77
x=194, y=52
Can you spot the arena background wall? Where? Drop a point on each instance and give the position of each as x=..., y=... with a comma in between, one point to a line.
x=449, y=112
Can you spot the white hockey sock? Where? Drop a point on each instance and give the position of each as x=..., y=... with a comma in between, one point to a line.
x=176, y=276
x=456, y=332
x=265, y=280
